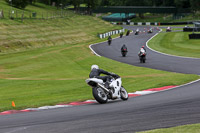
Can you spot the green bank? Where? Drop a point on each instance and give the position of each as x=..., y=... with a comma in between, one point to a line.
x=176, y=43
x=194, y=128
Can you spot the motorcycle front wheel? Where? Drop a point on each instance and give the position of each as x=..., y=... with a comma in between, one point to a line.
x=124, y=93
x=100, y=95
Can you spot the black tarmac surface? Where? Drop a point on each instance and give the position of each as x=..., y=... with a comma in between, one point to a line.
x=159, y=110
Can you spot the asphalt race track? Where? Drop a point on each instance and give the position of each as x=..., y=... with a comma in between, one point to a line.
x=170, y=108
x=154, y=60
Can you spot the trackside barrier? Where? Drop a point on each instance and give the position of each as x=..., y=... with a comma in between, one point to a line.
x=151, y=23
x=104, y=35
x=134, y=23
x=139, y=23
x=148, y=23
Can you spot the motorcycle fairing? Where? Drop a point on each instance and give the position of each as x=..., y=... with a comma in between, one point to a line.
x=94, y=80
x=116, y=84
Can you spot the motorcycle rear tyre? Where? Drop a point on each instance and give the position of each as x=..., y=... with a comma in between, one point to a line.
x=99, y=95
x=124, y=93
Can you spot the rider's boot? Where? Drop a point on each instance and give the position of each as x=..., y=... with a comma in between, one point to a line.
x=107, y=85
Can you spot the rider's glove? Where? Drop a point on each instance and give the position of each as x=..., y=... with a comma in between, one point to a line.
x=114, y=75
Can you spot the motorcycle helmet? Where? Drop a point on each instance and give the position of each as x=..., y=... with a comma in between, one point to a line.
x=94, y=67
x=142, y=46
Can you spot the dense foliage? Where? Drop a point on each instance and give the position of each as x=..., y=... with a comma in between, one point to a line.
x=193, y=4
x=18, y=3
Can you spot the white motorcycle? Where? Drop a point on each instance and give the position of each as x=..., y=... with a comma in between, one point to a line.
x=101, y=93
x=142, y=56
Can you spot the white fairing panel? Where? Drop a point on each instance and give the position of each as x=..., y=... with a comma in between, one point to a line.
x=142, y=50
x=94, y=80
x=116, y=84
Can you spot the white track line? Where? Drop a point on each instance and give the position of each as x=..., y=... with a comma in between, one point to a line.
x=165, y=53
x=90, y=46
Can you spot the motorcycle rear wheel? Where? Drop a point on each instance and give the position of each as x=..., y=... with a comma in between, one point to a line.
x=124, y=93
x=100, y=95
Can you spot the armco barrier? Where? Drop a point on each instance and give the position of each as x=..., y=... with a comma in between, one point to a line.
x=151, y=23
x=190, y=29
x=135, y=23
x=177, y=23
x=194, y=36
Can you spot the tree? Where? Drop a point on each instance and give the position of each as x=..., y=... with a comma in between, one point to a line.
x=76, y=4
x=182, y=3
x=92, y=4
x=195, y=5
x=117, y=2
x=32, y=1
x=18, y=3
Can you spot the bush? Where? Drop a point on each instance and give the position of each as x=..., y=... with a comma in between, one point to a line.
x=18, y=3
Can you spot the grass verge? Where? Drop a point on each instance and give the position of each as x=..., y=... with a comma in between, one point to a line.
x=194, y=128
x=176, y=43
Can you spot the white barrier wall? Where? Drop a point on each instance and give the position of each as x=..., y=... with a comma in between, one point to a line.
x=148, y=23
x=104, y=35
x=139, y=23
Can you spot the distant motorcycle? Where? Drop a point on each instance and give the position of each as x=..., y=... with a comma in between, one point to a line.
x=150, y=31
x=109, y=40
x=124, y=52
x=168, y=29
x=101, y=93
x=127, y=33
x=121, y=34
x=137, y=32
x=142, y=56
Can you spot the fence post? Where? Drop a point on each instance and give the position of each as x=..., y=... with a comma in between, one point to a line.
x=9, y=14
x=2, y=14
x=22, y=16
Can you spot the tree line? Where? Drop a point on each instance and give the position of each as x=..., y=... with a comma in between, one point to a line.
x=91, y=4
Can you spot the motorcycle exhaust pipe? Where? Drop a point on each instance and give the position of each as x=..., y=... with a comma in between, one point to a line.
x=103, y=88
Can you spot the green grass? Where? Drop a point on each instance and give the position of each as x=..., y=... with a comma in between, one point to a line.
x=41, y=10
x=17, y=36
x=148, y=17
x=176, y=43
x=193, y=128
x=46, y=62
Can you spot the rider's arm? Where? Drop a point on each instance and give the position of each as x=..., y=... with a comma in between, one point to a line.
x=104, y=72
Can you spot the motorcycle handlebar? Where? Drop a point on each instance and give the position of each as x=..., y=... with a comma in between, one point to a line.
x=115, y=76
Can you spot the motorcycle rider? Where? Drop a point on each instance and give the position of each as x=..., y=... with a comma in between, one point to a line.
x=142, y=52
x=109, y=39
x=121, y=34
x=127, y=33
x=143, y=48
x=124, y=48
x=95, y=73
